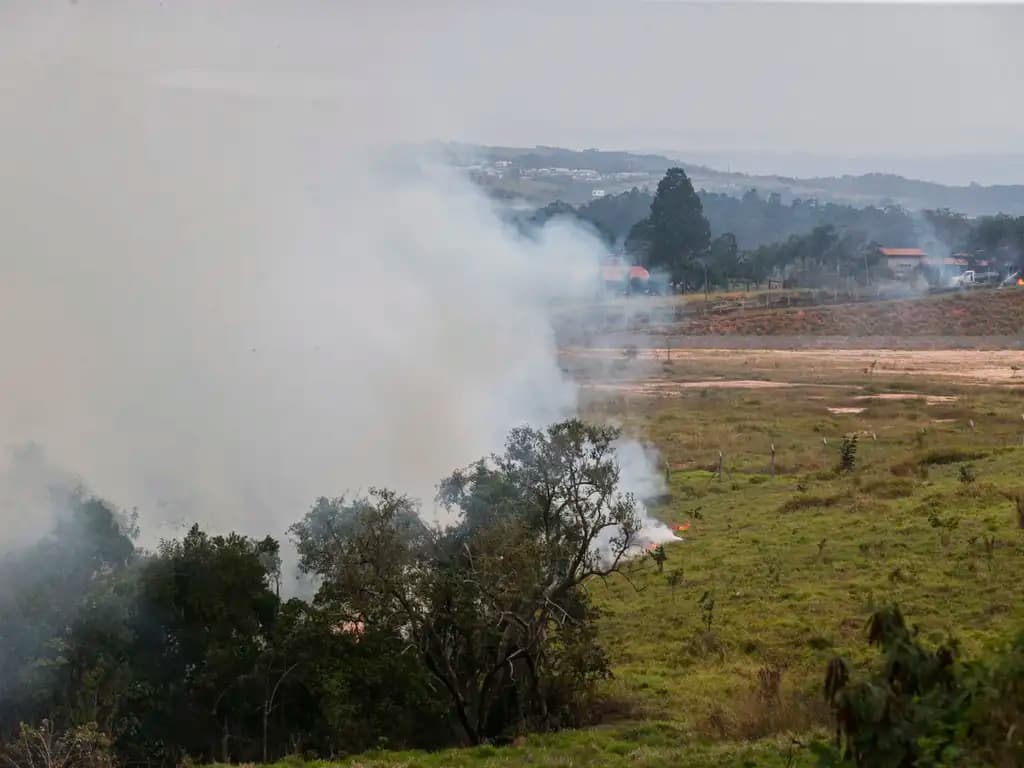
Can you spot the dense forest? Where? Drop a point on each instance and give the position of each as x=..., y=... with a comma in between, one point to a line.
x=417, y=636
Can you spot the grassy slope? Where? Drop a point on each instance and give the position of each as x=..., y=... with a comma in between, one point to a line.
x=795, y=572
x=648, y=745
x=795, y=564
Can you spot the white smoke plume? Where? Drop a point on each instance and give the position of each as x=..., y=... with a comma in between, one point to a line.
x=217, y=307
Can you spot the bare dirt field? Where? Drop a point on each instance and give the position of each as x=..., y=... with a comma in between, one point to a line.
x=662, y=369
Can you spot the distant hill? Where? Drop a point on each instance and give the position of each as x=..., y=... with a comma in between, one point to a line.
x=540, y=175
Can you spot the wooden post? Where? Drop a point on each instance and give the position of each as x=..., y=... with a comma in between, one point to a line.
x=721, y=471
x=824, y=451
x=771, y=465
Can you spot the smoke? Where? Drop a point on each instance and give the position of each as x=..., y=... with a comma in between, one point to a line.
x=638, y=472
x=33, y=493
x=218, y=306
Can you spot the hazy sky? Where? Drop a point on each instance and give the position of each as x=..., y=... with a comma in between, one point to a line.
x=850, y=79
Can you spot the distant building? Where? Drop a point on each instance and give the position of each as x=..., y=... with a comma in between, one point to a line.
x=620, y=277
x=903, y=261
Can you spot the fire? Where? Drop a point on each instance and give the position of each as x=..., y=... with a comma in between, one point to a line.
x=1020, y=281
x=355, y=628
x=680, y=527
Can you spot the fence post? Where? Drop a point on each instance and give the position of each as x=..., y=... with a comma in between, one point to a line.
x=721, y=470
x=824, y=451
x=771, y=465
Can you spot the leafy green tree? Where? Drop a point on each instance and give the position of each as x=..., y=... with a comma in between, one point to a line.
x=492, y=606
x=45, y=590
x=203, y=617
x=333, y=687
x=677, y=230
x=616, y=214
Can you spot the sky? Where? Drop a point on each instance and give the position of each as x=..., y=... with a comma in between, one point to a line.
x=864, y=79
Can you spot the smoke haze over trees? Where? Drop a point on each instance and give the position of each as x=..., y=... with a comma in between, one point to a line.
x=417, y=636
x=756, y=237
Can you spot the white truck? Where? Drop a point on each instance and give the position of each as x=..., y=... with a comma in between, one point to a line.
x=970, y=277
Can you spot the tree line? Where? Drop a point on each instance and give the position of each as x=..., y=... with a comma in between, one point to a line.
x=700, y=237
x=417, y=636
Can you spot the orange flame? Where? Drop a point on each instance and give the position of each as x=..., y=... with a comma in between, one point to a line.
x=1020, y=281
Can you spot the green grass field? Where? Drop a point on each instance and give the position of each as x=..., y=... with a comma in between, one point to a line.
x=794, y=563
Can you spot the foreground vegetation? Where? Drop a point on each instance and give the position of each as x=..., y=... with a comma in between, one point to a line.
x=719, y=657
x=417, y=635
x=807, y=509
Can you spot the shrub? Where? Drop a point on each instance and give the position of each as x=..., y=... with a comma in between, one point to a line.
x=848, y=453
x=967, y=474
x=42, y=747
x=763, y=710
x=659, y=557
x=924, y=708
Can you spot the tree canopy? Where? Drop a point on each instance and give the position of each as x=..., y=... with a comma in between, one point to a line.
x=417, y=637
x=491, y=605
x=675, y=234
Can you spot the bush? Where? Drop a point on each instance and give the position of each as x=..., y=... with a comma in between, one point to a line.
x=848, y=453
x=967, y=474
x=923, y=707
x=41, y=747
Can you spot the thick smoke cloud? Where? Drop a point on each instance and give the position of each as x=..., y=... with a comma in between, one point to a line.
x=216, y=308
